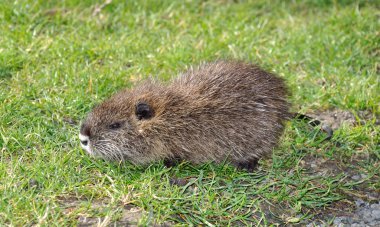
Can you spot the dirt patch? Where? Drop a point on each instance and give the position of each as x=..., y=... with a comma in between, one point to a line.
x=335, y=118
x=320, y=166
x=83, y=210
x=356, y=207
x=130, y=214
x=316, y=165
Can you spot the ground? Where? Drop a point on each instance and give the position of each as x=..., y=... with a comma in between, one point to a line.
x=59, y=58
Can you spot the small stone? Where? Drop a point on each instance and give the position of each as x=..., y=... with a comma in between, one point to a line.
x=348, y=221
x=359, y=203
x=33, y=183
x=363, y=176
x=355, y=177
x=338, y=220
x=292, y=220
x=368, y=217
x=375, y=206
x=376, y=214
x=178, y=181
x=70, y=121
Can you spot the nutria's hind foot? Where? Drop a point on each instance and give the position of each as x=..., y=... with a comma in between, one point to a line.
x=249, y=165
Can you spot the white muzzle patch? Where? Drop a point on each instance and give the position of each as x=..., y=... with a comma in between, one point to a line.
x=85, y=143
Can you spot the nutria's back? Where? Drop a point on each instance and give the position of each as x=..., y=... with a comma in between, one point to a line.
x=223, y=111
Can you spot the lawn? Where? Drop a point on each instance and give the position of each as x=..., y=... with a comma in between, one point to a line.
x=60, y=58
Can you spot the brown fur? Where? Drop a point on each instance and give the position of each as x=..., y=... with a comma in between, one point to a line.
x=220, y=111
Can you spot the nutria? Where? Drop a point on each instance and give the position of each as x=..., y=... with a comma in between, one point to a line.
x=220, y=111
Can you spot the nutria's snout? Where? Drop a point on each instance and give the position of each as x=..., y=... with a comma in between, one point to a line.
x=85, y=143
x=84, y=137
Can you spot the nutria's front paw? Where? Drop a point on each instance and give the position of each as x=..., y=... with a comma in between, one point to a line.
x=249, y=165
x=171, y=162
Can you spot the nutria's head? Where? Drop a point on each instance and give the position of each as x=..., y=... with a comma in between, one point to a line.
x=120, y=127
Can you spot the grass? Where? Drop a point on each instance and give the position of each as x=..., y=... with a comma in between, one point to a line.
x=59, y=58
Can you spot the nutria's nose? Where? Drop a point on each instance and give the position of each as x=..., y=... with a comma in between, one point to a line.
x=83, y=139
x=84, y=142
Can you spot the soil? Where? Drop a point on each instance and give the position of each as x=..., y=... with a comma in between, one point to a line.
x=362, y=204
x=336, y=118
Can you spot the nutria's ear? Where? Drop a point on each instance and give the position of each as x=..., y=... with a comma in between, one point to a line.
x=144, y=111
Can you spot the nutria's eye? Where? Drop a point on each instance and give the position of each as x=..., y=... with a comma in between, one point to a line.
x=143, y=111
x=115, y=125
x=85, y=130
